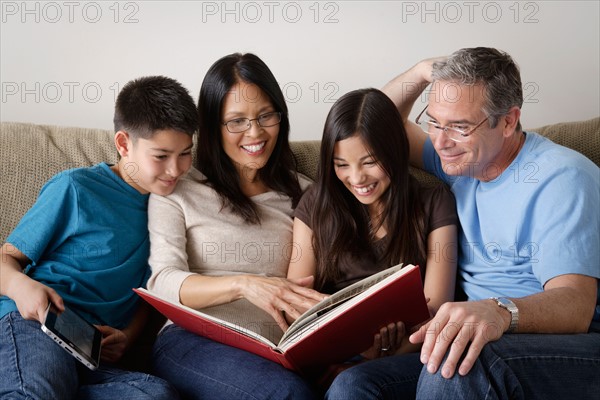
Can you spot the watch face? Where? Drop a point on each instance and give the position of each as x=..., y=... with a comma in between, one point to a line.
x=504, y=301
x=511, y=307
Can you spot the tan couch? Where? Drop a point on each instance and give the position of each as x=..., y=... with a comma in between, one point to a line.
x=30, y=154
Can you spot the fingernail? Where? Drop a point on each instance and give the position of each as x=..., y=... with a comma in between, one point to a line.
x=446, y=373
x=431, y=368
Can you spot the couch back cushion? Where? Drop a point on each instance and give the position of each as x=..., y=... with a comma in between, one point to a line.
x=582, y=136
x=31, y=154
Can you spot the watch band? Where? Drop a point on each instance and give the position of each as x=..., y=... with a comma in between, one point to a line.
x=511, y=307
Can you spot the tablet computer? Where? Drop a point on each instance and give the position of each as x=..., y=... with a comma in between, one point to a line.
x=74, y=334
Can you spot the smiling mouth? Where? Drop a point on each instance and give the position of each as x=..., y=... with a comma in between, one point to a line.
x=168, y=182
x=254, y=148
x=450, y=156
x=364, y=190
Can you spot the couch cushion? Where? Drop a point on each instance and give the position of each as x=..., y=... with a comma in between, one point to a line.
x=306, y=154
x=36, y=153
x=582, y=136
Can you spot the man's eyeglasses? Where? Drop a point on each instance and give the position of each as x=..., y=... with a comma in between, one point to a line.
x=239, y=125
x=459, y=133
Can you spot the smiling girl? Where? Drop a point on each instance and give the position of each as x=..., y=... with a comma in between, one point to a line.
x=366, y=213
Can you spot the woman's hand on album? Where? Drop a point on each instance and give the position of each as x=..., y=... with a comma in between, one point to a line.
x=279, y=295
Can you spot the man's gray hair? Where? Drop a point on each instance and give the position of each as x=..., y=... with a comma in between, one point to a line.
x=494, y=69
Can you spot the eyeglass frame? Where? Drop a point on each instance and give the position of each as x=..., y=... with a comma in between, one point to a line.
x=445, y=129
x=254, y=119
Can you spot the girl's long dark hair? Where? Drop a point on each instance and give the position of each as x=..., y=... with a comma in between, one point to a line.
x=279, y=172
x=341, y=224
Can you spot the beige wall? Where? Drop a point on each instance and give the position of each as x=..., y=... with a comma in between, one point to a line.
x=63, y=62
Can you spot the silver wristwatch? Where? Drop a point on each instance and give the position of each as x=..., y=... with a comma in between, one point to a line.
x=511, y=307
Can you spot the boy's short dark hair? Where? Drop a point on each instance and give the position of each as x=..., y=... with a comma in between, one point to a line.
x=153, y=103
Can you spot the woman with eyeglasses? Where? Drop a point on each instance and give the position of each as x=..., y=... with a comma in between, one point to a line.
x=366, y=213
x=222, y=241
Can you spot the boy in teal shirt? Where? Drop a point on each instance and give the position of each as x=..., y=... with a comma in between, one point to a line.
x=84, y=244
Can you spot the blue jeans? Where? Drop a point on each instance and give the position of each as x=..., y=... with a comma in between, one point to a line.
x=392, y=377
x=32, y=366
x=204, y=369
x=525, y=366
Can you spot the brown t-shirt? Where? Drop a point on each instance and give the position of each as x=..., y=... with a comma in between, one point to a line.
x=439, y=208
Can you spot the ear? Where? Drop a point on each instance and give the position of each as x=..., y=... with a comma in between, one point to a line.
x=511, y=120
x=123, y=143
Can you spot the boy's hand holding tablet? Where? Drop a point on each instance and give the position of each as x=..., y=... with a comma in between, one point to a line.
x=74, y=334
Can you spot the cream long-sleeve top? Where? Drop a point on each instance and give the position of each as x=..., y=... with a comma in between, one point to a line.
x=191, y=233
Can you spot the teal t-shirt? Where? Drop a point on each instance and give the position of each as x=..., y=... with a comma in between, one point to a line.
x=87, y=238
x=539, y=219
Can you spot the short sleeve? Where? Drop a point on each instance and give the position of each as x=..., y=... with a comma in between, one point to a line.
x=441, y=208
x=50, y=221
x=305, y=206
x=564, y=228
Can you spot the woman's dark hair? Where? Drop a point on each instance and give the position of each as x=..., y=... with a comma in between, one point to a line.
x=341, y=224
x=279, y=172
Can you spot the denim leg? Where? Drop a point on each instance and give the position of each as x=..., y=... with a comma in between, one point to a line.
x=203, y=369
x=383, y=378
x=108, y=383
x=32, y=366
x=525, y=366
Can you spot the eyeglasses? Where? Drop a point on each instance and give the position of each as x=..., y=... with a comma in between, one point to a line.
x=459, y=133
x=239, y=125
